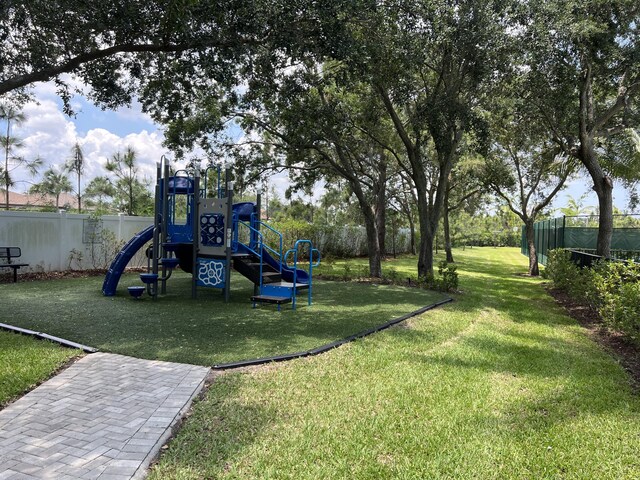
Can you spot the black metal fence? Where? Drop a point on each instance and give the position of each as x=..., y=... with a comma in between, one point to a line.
x=580, y=233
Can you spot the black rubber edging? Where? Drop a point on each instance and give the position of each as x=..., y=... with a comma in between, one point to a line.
x=46, y=336
x=328, y=346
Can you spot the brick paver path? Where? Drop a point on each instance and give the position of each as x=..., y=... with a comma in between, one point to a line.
x=105, y=417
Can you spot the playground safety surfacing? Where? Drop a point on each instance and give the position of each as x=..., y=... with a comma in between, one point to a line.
x=105, y=417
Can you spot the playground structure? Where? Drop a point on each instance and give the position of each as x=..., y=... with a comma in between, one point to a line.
x=214, y=237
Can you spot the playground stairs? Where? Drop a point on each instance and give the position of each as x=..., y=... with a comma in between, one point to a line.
x=273, y=289
x=249, y=266
x=278, y=292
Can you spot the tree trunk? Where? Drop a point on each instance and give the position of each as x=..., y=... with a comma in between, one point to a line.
x=130, y=199
x=6, y=188
x=602, y=184
x=447, y=233
x=534, y=270
x=380, y=192
x=79, y=196
x=381, y=227
x=425, y=257
x=605, y=223
x=373, y=247
x=425, y=250
x=6, y=170
x=412, y=234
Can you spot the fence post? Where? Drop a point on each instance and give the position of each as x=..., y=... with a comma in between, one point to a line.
x=62, y=225
x=120, y=221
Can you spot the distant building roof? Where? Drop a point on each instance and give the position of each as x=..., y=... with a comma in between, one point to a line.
x=18, y=201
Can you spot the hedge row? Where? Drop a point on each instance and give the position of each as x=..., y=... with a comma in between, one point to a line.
x=610, y=288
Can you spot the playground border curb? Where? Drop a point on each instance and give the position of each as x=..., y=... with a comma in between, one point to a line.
x=46, y=336
x=329, y=346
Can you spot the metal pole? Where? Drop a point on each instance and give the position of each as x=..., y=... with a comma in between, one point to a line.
x=229, y=234
x=258, y=218
x=196, y=234
x=165, y=223
x=156, y=231
x=254, y=235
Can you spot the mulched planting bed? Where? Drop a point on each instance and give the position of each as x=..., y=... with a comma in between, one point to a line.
x=37, y=276
x=624, y=349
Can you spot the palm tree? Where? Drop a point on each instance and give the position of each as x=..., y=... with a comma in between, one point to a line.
x=123, y=166
x=9, y=143
x=100, y=188
x=576, y=208
x=9, y=114
x=53, y=183
x=76, y=164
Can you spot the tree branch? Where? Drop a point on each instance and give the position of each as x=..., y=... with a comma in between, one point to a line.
x=74, y=63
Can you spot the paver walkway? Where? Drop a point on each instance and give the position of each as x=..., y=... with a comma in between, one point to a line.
x=105, y=417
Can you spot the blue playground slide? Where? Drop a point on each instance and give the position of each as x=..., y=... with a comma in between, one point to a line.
x=122, y=259
x=287, y=272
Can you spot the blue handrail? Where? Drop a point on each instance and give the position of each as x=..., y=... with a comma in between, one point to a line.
x=261, y=246
x=295, y=250
x=277, y=253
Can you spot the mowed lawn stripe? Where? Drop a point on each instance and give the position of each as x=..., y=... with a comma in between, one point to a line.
x=499, y=384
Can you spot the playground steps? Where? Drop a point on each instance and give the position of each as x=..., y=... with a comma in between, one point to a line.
x=249, y=266
x=282, y=289
x=270, y=299
x=299, y=286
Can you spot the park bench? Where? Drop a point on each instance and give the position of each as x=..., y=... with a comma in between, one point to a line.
x=9, y=253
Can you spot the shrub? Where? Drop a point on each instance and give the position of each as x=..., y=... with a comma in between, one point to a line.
x=446, y=281
x=560, y=269
x=610, y=288
x=623, y=312
x=392, y=275
x=347, y=272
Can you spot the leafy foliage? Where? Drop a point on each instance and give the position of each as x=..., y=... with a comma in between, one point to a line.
x=131, y=194
x=53, y=183
x=611, y=288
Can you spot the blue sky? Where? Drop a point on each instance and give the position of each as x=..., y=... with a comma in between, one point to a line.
x=101, y=133
x=50, y=134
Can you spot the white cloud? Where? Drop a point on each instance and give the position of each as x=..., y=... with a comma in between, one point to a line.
x=50, y=134
x=134, y=112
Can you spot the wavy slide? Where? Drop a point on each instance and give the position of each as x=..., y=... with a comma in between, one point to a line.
x=122, y=259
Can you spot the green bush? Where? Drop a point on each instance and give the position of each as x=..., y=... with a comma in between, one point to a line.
x=446, y=281
x=560, y=269
x=610, y=288
x=624, y=311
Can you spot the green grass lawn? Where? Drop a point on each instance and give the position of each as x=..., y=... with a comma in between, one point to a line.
x=203, y=331
x=499, y=384
x=25, y=361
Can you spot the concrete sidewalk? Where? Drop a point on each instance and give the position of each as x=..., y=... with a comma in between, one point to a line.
x=105, y=417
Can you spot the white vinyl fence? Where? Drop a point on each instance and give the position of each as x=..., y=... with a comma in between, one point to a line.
x=62, y=241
